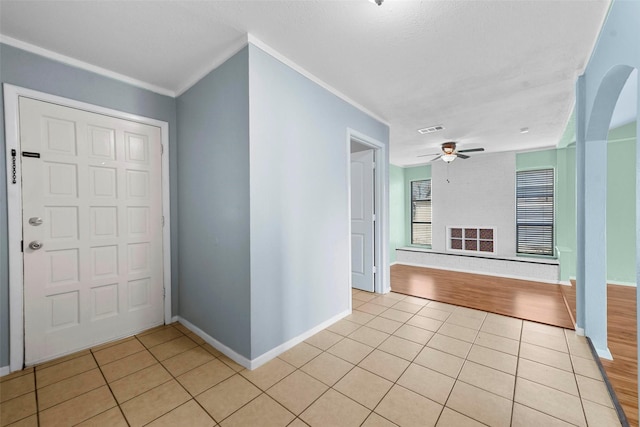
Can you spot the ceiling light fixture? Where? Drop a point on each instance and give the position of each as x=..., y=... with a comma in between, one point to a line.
x=524, y=130
x=449, y=157
x=378, y=2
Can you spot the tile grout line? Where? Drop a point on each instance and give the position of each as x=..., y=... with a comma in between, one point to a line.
x=457, y=378
x=48, y=385
x=109, y=385
x=573, y=369
x=573, y=373
x=460, y=371
x=412, y=361
x=147, y=349
x=173, y=377
x=622, y=417
x=396, y=381
x=515, y=380
x=357, y=365
x=35, y=390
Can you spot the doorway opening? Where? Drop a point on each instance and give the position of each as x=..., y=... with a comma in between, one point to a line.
x=368, y=214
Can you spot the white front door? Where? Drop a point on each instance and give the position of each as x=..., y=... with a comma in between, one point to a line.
x=92, y=228
x=362, y=218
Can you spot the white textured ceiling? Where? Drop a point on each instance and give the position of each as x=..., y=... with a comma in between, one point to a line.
x=483, y=69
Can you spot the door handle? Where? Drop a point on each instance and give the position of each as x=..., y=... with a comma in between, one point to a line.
x=35, y=245
x=35, y=221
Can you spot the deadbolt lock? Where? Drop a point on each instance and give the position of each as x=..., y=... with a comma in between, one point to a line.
x=35, y=221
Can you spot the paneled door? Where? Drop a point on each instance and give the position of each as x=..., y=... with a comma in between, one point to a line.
x=362, y=221
x=92, y=228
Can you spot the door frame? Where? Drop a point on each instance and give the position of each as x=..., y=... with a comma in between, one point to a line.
x=382, y=282
x=14, y=206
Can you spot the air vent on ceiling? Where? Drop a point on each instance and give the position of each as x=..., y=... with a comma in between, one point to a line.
x=431, y=129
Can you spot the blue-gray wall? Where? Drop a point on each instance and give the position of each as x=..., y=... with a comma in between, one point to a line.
x=213, y=204
x=299, y=155
x=259, y=182
x=28, y=70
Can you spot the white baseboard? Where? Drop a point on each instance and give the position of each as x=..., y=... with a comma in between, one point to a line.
x=604, y=353
x=231, y=354
x=615, y=282
x=4, y=370
x=269, y=355
x=265, y=357
x=565, y=282
x=393, y=263
x=460, y=270
x=611, y=282
x=174, y=319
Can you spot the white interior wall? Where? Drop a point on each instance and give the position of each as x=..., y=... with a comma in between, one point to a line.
x=480, y=192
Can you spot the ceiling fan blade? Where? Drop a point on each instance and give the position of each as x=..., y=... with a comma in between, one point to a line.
x=427, y=155
x=462, y=156
x=471, y=150
x=436, y=158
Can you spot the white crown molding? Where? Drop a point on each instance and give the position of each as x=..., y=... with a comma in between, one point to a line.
x=268, y=49
x=84, y=65
x=217, y=61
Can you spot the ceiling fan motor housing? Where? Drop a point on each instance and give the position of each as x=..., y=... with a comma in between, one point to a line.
x=449, y=147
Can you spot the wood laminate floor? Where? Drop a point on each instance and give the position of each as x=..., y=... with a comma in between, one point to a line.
x=623, y=344
x=538, y=302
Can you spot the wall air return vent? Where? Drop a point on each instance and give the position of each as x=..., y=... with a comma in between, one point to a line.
x=431, y=129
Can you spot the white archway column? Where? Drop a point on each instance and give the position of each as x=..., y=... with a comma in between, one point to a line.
x=592, y=233
x=638, y=224
x=595, y=244
x=580, y=192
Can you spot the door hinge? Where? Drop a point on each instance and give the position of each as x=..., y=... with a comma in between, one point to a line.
x=375, y=269
x=14, y=179
x=374, y=217
x=374, y=165
x=163, y=220
x=161, y=149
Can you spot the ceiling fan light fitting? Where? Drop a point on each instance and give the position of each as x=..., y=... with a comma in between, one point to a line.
x=449, y=157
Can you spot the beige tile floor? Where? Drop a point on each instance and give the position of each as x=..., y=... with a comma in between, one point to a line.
x=395, y=361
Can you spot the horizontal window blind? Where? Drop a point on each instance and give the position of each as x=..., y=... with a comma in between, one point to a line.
x=535, y=212
x=421, y=212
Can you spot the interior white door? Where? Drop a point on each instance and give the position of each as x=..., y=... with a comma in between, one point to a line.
x=92, y=228
x=362, y=218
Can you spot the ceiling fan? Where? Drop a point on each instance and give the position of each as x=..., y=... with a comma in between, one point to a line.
x=449, y=152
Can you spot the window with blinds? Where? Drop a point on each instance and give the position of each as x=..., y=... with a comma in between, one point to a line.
x=534, y=212
x=421, y=212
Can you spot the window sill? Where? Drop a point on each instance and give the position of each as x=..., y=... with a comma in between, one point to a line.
x=523, y=259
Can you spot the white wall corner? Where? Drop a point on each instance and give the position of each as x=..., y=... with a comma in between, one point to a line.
x=214, y=63
x=288, y=62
